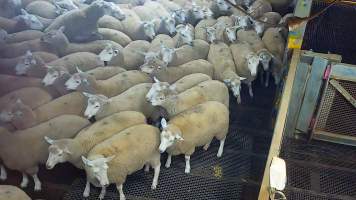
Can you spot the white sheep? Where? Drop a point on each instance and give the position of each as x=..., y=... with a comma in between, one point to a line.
x=195, y=14
x=110, y=22
x=42, y=8
x=121, y=155
x=10, y=8
x=70, y=104
x=224, y=67
x=24, y=150
x=202, y=27
x=23, y=36
x=210, y=90
x=132, y=99
x=163, y=89
x=259, y=7
x=21, y=82
x=71, y=150
x=193, y=128
x=115, y=36
x=14, y=66
x=267, y=20
x=13, y=192
x=246, y=63
x=172, y=74
x=132, y=56
x=85, y=27
x=111, y=87
x=21, y=22
x=185, y=35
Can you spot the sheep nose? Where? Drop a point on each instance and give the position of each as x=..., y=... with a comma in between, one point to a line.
x=48, y=166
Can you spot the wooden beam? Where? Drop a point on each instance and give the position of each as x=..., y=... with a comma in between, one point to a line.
x=280, y=124
x=343, y=92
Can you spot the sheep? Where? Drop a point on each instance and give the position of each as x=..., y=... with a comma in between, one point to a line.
x=12, y=192
x=110, y=87
x=224, y=67
x=32, y=96
x=42, y=8
x=23, y=36
x=21, y=82
x=70, y=104
x=193, y=128
x=10, y=8
x=274, y=42
x=170, y=6
x=71, y=150
x=20, y=23
x=163, y=89
x=270, y=19
x=195, y=14
x=220, y=8
x=64, y=5
x=14, y=66
x=180, y=15
x=201, y=28
x=284, y=19
x=172, y=74
x=24, y=150
x=84, y=60
x=115, y=36
x=222, y=23
x=132, y=57
x=210, y=90
x=110, y=22
x=132, y=99
x=259, y=7
x=121, y=155
x=85, y=20
x=57, y=39
x=246, y=63
x=251, y=37
x=161, y=39
x=166, y=26
x=157, y=8
x=185, y=35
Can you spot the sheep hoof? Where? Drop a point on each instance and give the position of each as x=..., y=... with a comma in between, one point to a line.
x=219, y=155
x=187, y=170
x=101, y=197
x=154, y=186
x=38, y=188
x=206, y=147
x=86, y=194
x=3, y=177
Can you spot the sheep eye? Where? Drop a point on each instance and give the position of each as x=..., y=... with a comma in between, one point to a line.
x=97, y=106
x=77, y=82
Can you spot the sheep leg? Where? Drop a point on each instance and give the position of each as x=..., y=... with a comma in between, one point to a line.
x=250, y=90
x=102, y=192
x=261, y=77
x=3, y=174
x=37, y=182
x=267, y=79
x=147, y=167
x=24, y=181
x=221, y=147
x=169, y=161
x=121, y=192
x=86, y=192
x=157, y=169
x=206, y=146
x=187, y=164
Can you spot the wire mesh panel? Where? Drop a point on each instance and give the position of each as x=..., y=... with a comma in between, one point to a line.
x=337, y=115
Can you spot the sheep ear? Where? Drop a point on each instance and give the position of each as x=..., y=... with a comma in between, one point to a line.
x=24, y=12
x=242, y=78
x=66, y=150
x=62, y=28
x=78, y=70
x=108, y=159
x=179, y=137
x=227, y=81
x=156, y=80
x=28, y=53
x=18, y=101
x=49, y=140
x=87, y=94
x=86, y=161
x=164, y=123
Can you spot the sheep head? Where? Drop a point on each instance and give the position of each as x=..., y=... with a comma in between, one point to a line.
x=231, y=33
x=109, y=8
x=53, y=74
x=252, y=63
x=160, y=91
x=243, y=21
x=78, y=81
x=222, y=5
x=169, y=24
x=19, y=114
x=196, y=12
x=265, y=58
x=167, y=53
x=185, y=35
x=98, y=169
x=235, y=86
x=31, y=21
x=149, y=29
x=95, y=104
x=170, y=135
x=25, y=63
x=108, y=53
x=179, y=15
x=58, y=151
x=211, y=34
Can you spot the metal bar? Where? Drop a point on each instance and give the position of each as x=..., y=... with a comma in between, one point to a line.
x=280, y=124
x=334, y=138
x=343, y=92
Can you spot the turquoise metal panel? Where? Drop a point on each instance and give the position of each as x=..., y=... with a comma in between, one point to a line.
x=311, y=94
x=298, y=90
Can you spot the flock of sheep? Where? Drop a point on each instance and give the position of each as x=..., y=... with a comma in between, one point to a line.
x=152, y=77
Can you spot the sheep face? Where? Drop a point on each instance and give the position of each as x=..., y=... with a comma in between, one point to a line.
x=30, y=20
x=58, y=152
x=235, y=87
x=98, y=169
x=170, y=135
x=211, y=34
x=231, y=33
x=207, y=12
x=149, y=29
x=77, y=80
x=108, y=53
x=95, y=104
x=110, y=8
x=25, y=63
x=3, y=35
x=180, y=16
x=243, y=22
x=167, y=53
x=151, y=56
x=252, y=63
x=156, y=88
x=53, y=74
x=169, y=24
x=197, y=12
x=222, y=5
x=265, y=58
x=185, y=35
